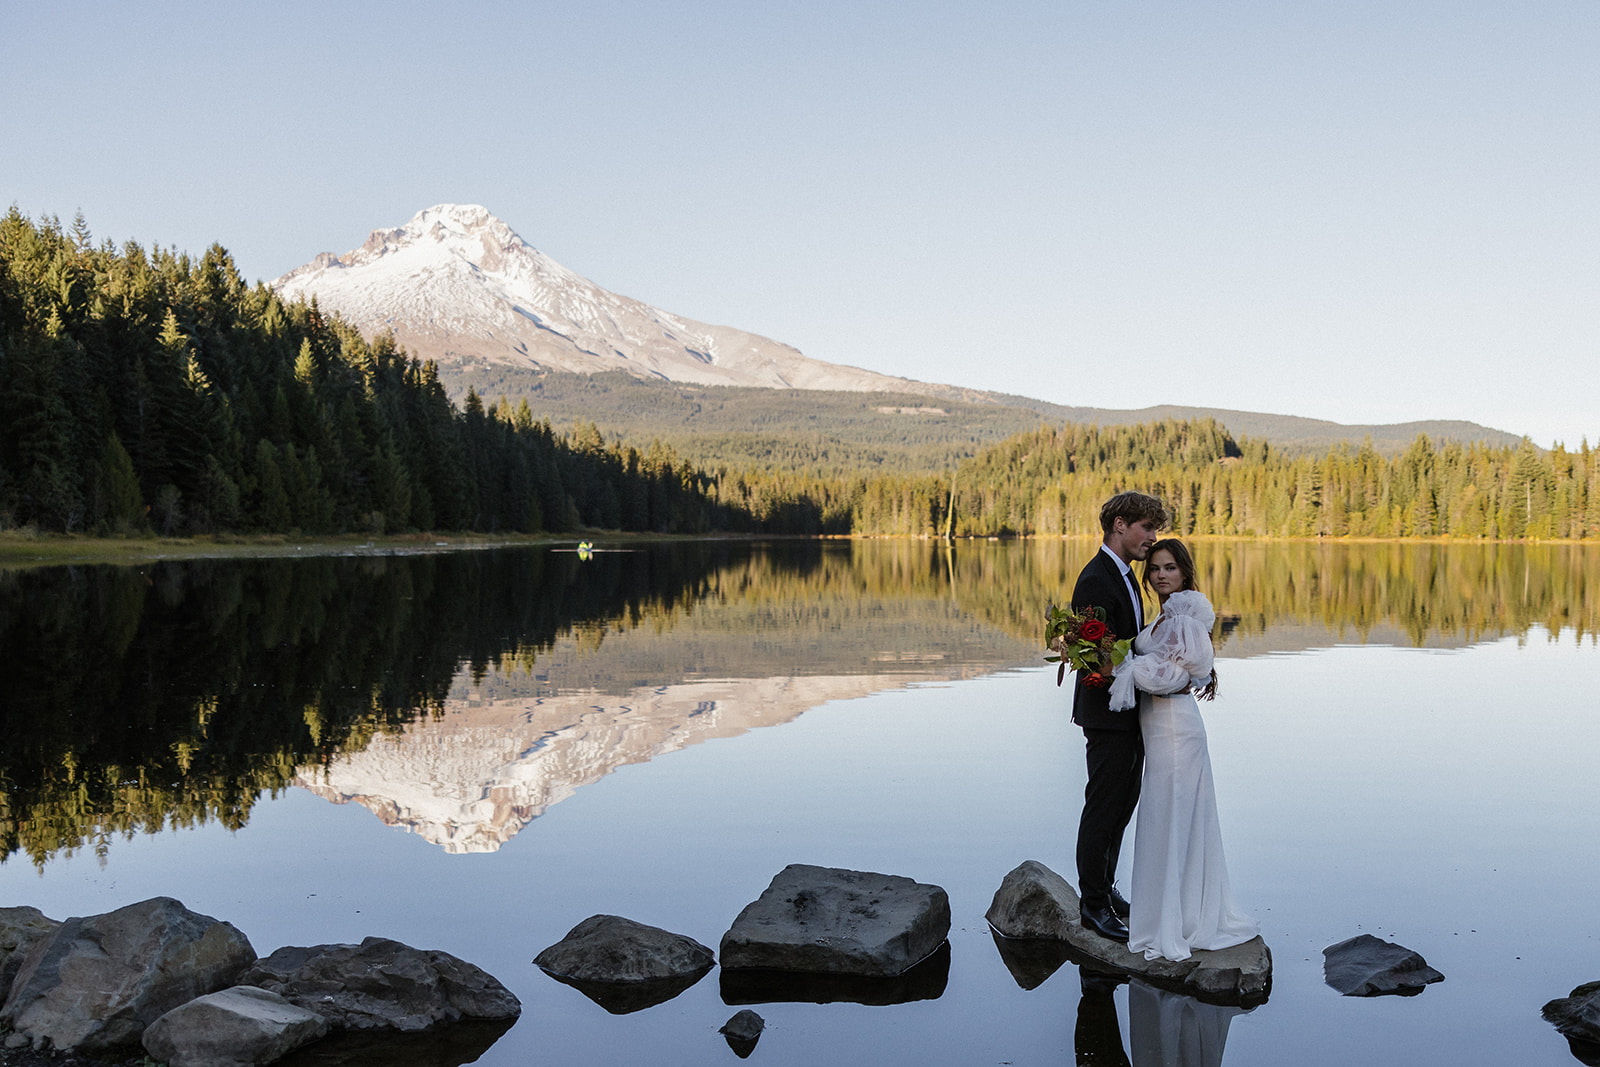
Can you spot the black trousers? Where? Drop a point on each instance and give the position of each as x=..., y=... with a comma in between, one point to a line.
x=1116, y=761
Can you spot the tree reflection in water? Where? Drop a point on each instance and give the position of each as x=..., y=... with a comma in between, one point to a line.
x=140, y=698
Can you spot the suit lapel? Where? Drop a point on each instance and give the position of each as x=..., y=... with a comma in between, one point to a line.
x=1122, y=584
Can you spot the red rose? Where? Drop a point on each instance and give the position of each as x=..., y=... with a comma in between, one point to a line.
x=1096, y=681
x=1092, y=630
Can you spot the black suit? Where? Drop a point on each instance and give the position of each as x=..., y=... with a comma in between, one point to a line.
x=1115, y=748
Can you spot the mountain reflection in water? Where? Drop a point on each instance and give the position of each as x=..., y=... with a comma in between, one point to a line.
x=470, y=778
x=461, y=694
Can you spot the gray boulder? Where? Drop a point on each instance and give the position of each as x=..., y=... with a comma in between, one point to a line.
x=609, y=948
x=823, y=919
x=745, y=1025
x=625, y=966
x=1035, y=903
x=97, y=982
x=382, y=983
x=236, y=1027
x=20, y=929
x=1366, y=966
x=742, y=1031
x=1577, y=1015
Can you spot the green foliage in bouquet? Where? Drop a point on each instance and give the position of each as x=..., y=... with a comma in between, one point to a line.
x=1083, y=641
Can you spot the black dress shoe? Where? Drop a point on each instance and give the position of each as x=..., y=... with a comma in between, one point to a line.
x=1119, y=906
x=1103, y=921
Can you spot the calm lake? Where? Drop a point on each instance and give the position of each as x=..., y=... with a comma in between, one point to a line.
x=473, y=751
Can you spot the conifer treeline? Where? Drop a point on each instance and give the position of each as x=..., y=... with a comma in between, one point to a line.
x=1053, y=482
x=150, y=391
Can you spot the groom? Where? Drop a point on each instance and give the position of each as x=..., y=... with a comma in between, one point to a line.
x=1130, y=522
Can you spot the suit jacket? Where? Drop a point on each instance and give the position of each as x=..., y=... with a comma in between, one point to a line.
x=1100, y=585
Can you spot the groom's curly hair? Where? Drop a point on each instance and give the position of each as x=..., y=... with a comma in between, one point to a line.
x=1133, y=507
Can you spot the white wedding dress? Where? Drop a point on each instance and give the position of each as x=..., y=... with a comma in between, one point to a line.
x=1180, y=898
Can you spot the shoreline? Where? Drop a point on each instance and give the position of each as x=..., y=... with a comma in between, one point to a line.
x=23, y=550
x=54, y=550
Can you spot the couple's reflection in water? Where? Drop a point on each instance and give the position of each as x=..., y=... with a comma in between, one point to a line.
x=1165, y=1029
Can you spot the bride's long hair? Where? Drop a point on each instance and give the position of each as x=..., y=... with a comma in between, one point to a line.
x=1185, y=561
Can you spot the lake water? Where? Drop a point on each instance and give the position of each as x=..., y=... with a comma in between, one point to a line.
x=473, y=751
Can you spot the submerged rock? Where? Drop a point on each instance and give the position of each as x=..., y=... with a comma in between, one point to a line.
x=609, y=948
x=742, y=1032
x=745, y=1025
x=1035, y=903
x=383, y=984
x=97, y=982
x=236, y=1027
x=1367, y=966
x=834, y=921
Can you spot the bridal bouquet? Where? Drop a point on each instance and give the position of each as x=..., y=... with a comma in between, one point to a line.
x=1082, y=640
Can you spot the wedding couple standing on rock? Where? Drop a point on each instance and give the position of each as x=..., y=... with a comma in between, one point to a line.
x=1146, y=748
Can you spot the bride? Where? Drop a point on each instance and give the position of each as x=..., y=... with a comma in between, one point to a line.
x=1180, y=899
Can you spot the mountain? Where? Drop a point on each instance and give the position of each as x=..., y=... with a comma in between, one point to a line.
x=457, y=285
x=842, y=432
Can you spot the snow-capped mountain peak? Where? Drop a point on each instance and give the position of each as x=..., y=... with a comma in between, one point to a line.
x=458, y=285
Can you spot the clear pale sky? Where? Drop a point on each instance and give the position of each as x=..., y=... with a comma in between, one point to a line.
x=1357, y=211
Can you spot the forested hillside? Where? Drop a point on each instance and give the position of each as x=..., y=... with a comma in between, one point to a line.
x=814, y=431
x=810, y=431
x=145, y=391
x=1052, y=482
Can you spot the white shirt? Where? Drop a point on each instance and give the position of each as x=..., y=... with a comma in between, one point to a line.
x=1127, y=580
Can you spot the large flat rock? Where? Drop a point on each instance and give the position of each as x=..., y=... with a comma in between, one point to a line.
x=832, y=921
x=1035, y=903
x=97, y=982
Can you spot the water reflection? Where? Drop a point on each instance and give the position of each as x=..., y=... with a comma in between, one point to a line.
x=625, y=998
x=444, y=1046
x=1165, y=1029
x=1097, y=1033
x=471, y=777
x=460, y=695
x=1031, y=960
x=925, y=981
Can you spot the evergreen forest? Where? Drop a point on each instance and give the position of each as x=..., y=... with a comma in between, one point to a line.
x=143, y=391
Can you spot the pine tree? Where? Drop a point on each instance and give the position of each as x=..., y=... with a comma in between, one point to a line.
x=121, y=509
